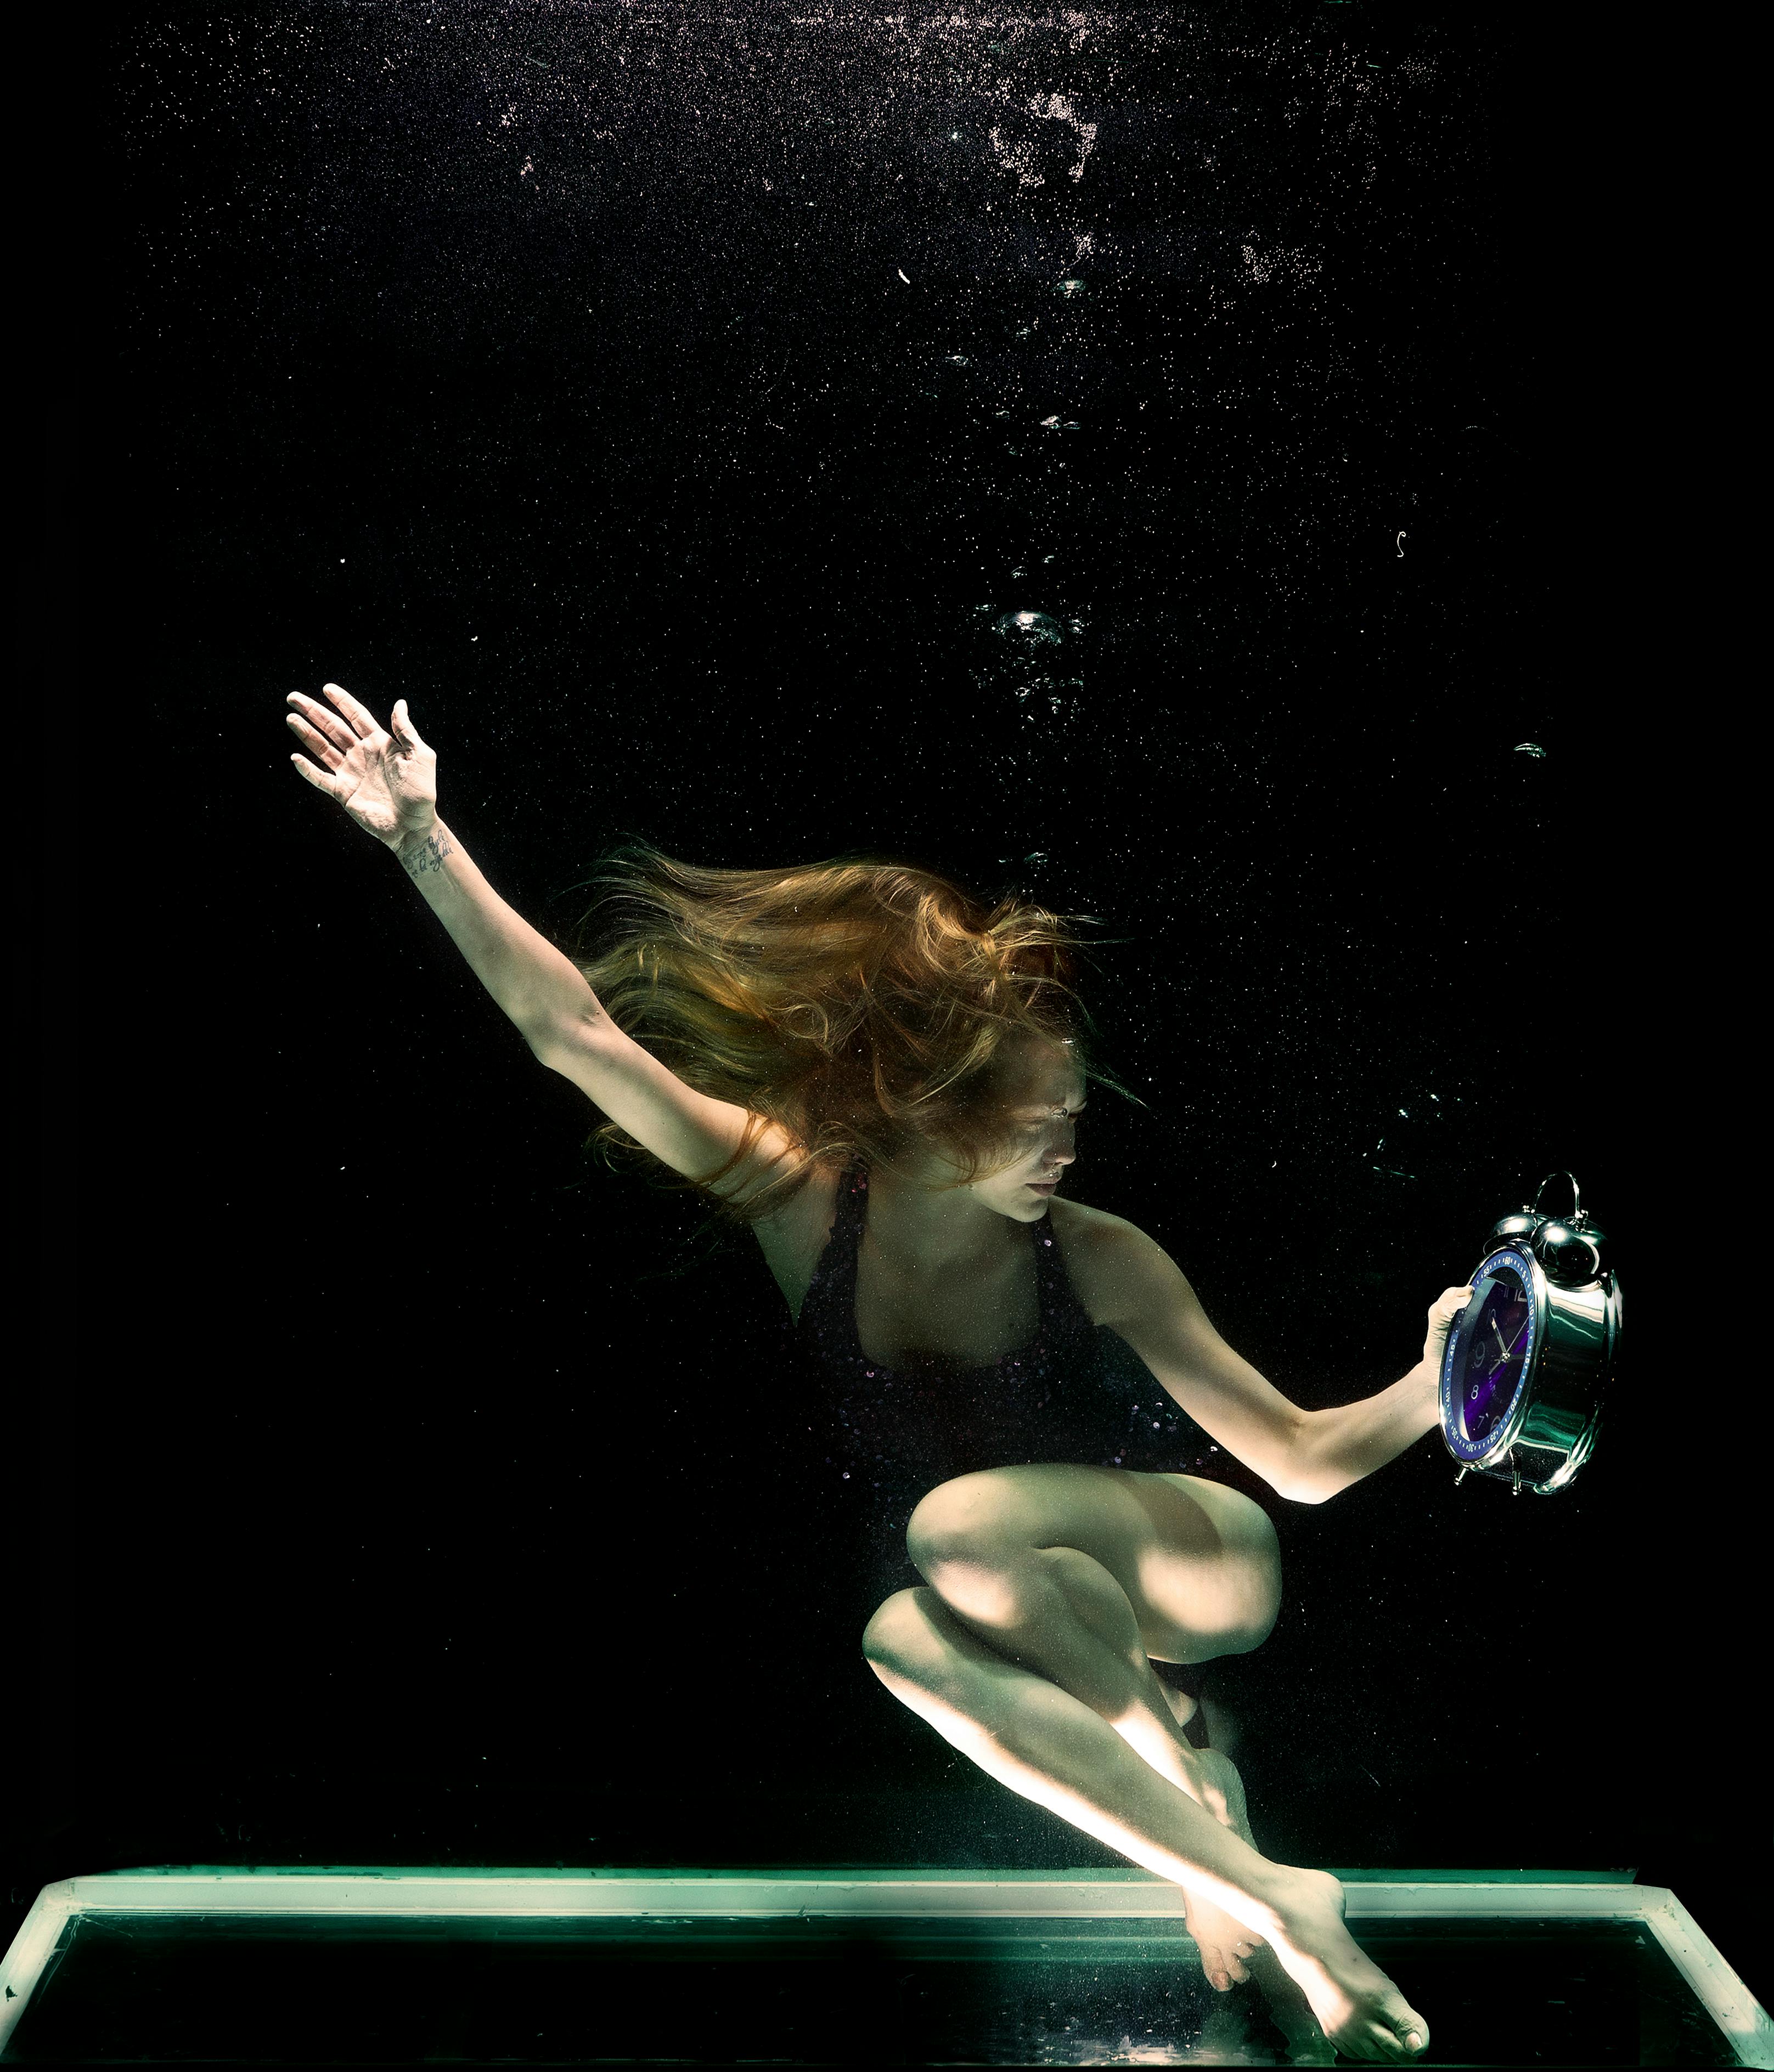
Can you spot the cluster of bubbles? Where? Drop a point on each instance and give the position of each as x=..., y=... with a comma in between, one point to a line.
x=1028, y=661
x=1030, y=630
x=1030, y=664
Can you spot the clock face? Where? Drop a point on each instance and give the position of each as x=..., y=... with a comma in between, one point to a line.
x=1495, y=1340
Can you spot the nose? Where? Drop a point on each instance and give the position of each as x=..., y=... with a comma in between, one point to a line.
x=1064, y=1149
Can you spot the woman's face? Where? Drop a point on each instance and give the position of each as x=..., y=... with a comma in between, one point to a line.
x=1042, y=1092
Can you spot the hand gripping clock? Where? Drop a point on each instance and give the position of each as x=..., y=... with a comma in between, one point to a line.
x=1529, y=1358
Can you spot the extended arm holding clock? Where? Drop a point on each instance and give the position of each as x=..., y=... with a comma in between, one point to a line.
x=1340, y=1446
x=1333, y=1449
x=1130, y=1283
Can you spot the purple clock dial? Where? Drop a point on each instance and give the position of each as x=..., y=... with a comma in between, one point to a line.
x=1494, y=1343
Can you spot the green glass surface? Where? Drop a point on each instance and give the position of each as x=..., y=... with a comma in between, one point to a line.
x=173, y=1989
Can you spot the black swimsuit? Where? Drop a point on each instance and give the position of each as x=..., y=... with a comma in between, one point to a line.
x=1077, y=1392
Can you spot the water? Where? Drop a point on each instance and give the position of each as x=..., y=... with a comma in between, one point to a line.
x=1102, y=450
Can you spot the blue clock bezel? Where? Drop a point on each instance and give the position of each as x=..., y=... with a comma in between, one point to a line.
x=1501, y=1436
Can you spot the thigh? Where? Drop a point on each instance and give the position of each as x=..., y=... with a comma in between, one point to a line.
x=1199, y=1562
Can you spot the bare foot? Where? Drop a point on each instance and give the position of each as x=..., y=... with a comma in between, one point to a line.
x=1230, y=1952
x=1226, y=1944
x=1358, y=2006
x=1290, y=2010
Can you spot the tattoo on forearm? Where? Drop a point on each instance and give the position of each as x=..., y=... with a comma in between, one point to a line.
x=429, y=855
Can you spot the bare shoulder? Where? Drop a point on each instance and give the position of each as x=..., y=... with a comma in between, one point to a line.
x=1115, y=1268
x=793, y=1238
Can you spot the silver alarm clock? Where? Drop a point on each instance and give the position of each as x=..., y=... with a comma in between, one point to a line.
x=1528, y=1360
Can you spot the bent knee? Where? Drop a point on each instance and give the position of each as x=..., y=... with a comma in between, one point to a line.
x=1226, y=1601
x=900, y=1635
x=961, y=1519
x=1258, y=1595
x=1252, y=1631
x=965, y=1541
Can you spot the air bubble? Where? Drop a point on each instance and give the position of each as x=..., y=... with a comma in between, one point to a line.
x=1029, y=629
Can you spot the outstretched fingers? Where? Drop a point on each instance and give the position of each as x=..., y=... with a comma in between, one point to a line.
x=312, y=738
x=361, y=718
x=323, y=721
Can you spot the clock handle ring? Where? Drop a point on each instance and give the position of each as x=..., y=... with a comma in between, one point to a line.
x=1576, y=1199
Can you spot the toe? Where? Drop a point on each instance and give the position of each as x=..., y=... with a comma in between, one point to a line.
x=1401, y=2040
x=1409, y=2031
x=1221, y=1966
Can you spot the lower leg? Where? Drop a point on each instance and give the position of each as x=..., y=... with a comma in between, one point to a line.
x=1053, y=1748
x=1037, y=1738
x=1063, y=1613
x=1057, y=1611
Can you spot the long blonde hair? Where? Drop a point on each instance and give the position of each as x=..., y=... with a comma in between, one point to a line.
x=861, y=1004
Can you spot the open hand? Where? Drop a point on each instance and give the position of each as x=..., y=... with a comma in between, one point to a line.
x=386, y=781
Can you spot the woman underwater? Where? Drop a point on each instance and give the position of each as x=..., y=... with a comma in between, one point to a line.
x=883, y=1078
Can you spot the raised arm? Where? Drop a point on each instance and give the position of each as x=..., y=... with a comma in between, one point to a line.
x=1128, y=1281
x=386, y=780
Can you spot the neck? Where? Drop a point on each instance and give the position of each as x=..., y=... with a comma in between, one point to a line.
x=917, y=1225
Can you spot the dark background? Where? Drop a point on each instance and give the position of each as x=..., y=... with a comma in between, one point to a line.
x=413, y=1489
